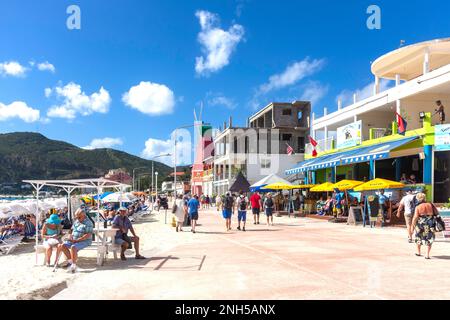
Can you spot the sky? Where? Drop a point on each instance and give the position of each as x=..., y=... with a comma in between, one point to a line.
x=136, y=69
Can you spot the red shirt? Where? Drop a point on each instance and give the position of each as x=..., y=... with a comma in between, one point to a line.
x=255, y=199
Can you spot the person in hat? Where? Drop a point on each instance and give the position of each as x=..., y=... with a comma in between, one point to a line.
x=123, y=224
x=51, y=232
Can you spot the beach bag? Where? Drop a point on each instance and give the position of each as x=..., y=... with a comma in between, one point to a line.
x=439, y=224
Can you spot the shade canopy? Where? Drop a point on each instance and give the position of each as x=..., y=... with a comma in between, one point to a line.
x=240, y=184
x=270, y=179
x=347, y=184
x=378, y=184
x=324, y=187
x=119, y=197
x=278, y=186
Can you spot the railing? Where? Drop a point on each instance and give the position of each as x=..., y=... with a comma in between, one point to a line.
x=322, y=145
x=376, y=133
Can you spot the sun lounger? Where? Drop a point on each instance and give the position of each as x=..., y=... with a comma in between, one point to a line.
x=8, y=245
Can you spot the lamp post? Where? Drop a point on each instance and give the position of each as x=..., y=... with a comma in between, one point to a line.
x=153, y=165
x=134, y=185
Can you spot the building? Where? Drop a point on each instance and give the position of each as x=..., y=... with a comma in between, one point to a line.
x=119, y=175
x=261, y=148
x=361, y=140
x=201, y=177
x=183, y=187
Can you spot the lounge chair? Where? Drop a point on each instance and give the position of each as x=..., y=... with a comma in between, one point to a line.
x=8, y=245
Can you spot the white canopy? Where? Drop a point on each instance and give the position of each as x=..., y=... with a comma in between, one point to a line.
x=272, y=178
x=119, y=197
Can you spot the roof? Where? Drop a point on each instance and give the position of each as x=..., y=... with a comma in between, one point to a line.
x=240, y=184
x=408, y=61
x=78, y=183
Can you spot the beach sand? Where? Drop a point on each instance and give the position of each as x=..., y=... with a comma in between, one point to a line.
x=22, y=279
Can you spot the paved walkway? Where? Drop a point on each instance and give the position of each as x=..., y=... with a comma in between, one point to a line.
x=297, y=258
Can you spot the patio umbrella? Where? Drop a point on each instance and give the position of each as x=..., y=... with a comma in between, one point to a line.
x=347, y=184
x=303, y=186
x=18, y=209
x=119, y=197
x=378, y=184
x=278, y=186
x=324, y=187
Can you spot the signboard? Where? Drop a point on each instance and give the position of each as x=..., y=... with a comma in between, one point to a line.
x=442, y=137
x=349, y=135
x=355, y=216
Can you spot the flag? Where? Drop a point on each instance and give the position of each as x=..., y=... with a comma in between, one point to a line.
x=314, y=144
x=401, y=124
x=289, y=150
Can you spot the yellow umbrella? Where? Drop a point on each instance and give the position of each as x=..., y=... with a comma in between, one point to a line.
x=347, y=184
x=378, y=184
x=304, y=186
x=278, y=186
x=324, y=187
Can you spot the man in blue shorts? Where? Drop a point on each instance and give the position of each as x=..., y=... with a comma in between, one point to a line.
x=268, y=208
x=192, y=207
x=79, y=239
x=228, y=208
x=242, y=204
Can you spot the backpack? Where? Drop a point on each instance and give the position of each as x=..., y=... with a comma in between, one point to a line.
x=269, y=203
x=243, y=204
x=228, y=202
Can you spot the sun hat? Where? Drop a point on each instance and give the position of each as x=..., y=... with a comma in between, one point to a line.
x=54, y=219
x=122, y=209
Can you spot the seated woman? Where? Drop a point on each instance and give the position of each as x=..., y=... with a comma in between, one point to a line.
x=51, y=233
x=320, y=205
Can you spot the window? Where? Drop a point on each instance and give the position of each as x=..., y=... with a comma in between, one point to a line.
x=286, y=137
x=300, y=144
x=265, y=164
x=287, y=112
x=300, y=115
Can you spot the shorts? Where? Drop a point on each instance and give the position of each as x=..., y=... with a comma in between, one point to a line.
x=408, y=219
x=78, y=245
x=50, y=243
x=256, y=211
x=226, y=213
x=269, y=212
x=120, y=241
x=242, y=215
x=193, y=216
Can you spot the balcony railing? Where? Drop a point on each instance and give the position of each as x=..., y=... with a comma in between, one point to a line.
x=322, y=145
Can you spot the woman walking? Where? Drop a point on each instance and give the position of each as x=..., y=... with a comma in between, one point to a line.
x=179, y=212
x=424, y=224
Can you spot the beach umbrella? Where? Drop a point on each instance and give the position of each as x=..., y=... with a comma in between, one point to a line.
x=303, y=186
x=278, y=186
x=5, y=211
x=270, y=179
x=347, y=184
x=378, y=184
x=18, y=209
x=119, y=197
x=324, y=187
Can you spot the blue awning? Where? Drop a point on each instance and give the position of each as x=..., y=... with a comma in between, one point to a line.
x=375, y=152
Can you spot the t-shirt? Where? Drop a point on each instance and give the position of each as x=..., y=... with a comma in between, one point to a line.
x=407, y=201
x=268, y=203
x=79, y=229
x=382, y=199
x=121, y=223
x=240, y=200
x=338, y=199
x=193, y=205
x=254, y=199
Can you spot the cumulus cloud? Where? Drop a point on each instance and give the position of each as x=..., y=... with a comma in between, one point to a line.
x=12, y=68
x=75, y=101
x=346, y=96
x=221, y=100
x=46, y=66
x=292, y=74
x=102, y=143
x=156, y=147
x=217, y=44
x=18, y=109
x=313, y=91
x=150, y=98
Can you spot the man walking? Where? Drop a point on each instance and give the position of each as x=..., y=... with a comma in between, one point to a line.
x=268, y=208
x=228, y=209
x=242, y=204
x=192, y=206
x=256, y=203
x=408, y=205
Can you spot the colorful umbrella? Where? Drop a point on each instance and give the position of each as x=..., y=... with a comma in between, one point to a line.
x=378, y=184
x=278, y=186
x=324, y=187
x=347, y=184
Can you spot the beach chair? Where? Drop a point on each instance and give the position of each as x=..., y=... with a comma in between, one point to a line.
x=8, y=245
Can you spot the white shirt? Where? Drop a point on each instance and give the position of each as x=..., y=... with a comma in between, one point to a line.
x=406, y=202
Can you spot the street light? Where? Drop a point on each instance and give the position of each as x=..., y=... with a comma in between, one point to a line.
x=134, y=185
x=156, y=177
x=153, y=165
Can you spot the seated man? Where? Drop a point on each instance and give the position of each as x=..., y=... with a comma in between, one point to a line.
x=80, y=238
x=123, y=223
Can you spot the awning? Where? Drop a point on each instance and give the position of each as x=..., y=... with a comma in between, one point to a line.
x=375, y=152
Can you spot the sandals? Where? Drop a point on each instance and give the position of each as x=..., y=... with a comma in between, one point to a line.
x=428, y=258
x=418, y=255
x=123, y=258
x=139, y=257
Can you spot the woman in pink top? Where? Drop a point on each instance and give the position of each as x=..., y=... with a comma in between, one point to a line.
x=424, y=224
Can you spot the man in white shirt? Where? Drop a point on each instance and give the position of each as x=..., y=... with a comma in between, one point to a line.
x=408, y=204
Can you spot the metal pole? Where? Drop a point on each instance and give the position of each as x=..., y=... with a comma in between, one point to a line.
x=175, y=166
x=38, y=218
x=98, y=226
x=151, y=191
x=133, y=180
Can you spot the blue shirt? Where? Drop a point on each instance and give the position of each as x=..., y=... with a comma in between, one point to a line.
x=193, y=205
x=382, y=199
x=79, y=229
x=121, y=223
x=338, y=199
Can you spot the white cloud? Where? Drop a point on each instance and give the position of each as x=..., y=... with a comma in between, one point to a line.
x=46, y=66
x=346, y=96
x=18, y=109
x=217, y=44
x=292, y=74
x=156, y=147
x=150, y=98
x=75, y=101
x=221, y=100
x=102, y=143
x=13, y=68
x=313, y=91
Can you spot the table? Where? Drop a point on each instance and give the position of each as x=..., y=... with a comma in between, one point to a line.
x=102, y=249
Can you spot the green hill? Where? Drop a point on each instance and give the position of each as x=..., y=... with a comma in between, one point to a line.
x=27, y=155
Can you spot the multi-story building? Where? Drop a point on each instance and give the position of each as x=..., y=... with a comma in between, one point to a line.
x=361, y=140
x=261, y=147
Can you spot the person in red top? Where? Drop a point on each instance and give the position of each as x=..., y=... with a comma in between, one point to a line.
x=256, y=203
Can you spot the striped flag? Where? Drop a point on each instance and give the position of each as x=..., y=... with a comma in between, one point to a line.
x=401, y=124
x=314, y=144
x=289, y=150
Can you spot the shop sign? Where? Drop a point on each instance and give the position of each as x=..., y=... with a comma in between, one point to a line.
x=349, y=135
x=442, y=137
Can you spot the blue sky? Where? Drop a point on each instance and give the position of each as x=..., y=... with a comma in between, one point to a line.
x=136, y=69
